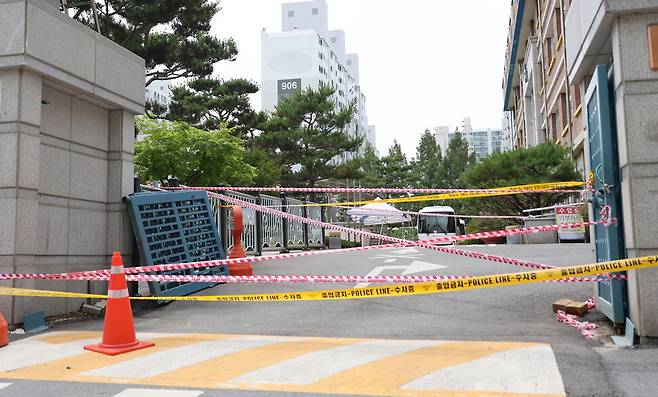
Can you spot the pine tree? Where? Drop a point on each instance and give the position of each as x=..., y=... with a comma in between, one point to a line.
x=173, y=36
x=210, y=102
x=306, y=134
x=456, y=161
x=426, y=166
x=396, y=171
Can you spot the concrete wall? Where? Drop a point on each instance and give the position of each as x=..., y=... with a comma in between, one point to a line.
x=616, y=31
x=67, y=103
x=636, y=87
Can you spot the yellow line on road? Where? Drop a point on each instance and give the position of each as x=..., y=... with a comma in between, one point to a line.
x=387, y=375
x=212, y=373
x=69, y=369
x=66, y=337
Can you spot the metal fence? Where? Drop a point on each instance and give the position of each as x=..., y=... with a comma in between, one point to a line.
x=267, y=232
x=271, y=225
x=315, y=235
x=296, y=230
x=249, y=218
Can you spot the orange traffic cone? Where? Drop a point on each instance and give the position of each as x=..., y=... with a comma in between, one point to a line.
x=118, y=329
x=238, y=269
x=4, y=331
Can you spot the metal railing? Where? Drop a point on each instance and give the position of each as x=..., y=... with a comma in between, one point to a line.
x=267, y=232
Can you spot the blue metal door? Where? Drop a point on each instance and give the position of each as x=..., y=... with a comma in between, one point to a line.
x=604, y=163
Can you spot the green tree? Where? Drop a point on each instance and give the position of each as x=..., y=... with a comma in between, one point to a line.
x=371, y=167
x=210, y=102
x=543, y=163
x=426, y=166
x=173, y=36
x=456, y=161
x=306, y=134
x=395, y=169
x=196, y=157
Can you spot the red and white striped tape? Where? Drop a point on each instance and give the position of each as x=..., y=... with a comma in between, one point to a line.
x=277, y=279
x=425, y=244
x=591, y=303
x=366, y=190
x=398, y=212
x=584, y=327
x=103, y=274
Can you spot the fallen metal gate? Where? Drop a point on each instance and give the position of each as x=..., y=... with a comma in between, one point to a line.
x=174, y=228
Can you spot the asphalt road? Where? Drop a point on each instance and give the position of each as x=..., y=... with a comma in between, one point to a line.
x=511, y=314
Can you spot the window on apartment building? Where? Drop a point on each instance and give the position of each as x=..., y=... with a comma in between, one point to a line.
x=314, y=11
x=320, y=69
x=564, y=116
x=557, y=16
x=320, y=54
x=320, y=41
x=549, y=49
x=334, y=39
x=577, y=100
x=291, y=13
x=349, y=61
x=553, y=130
x=533, y=27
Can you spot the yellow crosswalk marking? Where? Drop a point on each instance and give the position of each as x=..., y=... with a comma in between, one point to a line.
x=399, y=368
x=70, y=368
x=389, y=374
x=214, y=373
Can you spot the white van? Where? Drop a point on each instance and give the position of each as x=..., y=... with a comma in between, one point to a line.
x=431, y=226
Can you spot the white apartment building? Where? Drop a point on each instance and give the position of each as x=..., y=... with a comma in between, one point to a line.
x=159, y=91
x=441, y=137
x=307, y=54
x=482, y=142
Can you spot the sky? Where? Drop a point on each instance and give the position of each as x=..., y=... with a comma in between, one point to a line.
x=423, y=63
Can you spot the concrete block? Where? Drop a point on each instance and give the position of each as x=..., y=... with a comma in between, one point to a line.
x=620, y=115
x=119, y=71
x=122, y=131
x=627, y=209
x=87, y=232
x=643, y=295
x=641, y=127
x=30, y=106
x=29, y=153
x=5, y=301
x=9, y=94
x=56, y=114
x=89, y=178
x=12, y=28
x=8, y=226
x=53, y=230
x=89, y=124
x=120, y=180
x=119, y=232
x=8, y=159
x=633, y=42
x=54, y=172
x=27, y=232
x=49, y=39
x=51, y=306
x=645, y=216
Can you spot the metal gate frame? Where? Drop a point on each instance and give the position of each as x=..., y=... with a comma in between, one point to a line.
x=271, y=226
x=176, y=227
x=612, y=296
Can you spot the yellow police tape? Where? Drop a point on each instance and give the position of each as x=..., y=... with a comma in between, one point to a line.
x=469, y=283
x=457, y=195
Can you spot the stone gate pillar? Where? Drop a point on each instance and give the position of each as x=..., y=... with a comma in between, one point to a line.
x=68, y=98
